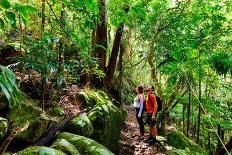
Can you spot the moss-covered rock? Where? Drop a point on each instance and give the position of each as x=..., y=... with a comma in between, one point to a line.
x=3, y=127
x=40, y=150
x=85, y=145
x=65, y=146
x=180, y=141
x=180, y=152
x=38, y=121
x=107, y=120
x=105, y=116
x=80, y=125
x=59, y=111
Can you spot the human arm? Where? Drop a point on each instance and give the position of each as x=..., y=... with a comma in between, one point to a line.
x=141, y=99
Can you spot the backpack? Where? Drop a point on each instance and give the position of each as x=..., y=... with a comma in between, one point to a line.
x=159, y=103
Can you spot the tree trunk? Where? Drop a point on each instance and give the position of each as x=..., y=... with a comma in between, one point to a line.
x=219, y=134
x=114, y=55
x=101, y=36
x=154, y=74
x=199, y=107
x=209, y=140
x=62, y=45
x=189, y=106
x=120, y=69
x=42, y=47
x=54, y=130
x=43, y=18
x=183, y=117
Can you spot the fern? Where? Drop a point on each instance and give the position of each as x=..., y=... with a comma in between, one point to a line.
x=9, y=86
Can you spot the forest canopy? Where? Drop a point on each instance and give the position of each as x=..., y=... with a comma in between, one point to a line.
x=182, y=47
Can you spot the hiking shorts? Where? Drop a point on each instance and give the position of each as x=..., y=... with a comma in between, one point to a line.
x=150, y=122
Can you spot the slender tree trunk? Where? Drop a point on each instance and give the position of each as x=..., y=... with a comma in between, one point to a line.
x=62, y=45
x=199, y=107
x=209, y=140
x=128, y=44
x=114, y=55
x=120, y=69
x=183, y=117
x=189, y=107
x=219, y=133
x=43, y=18
x=41, y=37
x=101, y=36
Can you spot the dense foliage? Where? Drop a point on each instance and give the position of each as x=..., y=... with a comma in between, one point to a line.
x=181, y=47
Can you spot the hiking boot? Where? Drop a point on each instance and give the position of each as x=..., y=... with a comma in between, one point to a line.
x=149, y=138
x=152, y=141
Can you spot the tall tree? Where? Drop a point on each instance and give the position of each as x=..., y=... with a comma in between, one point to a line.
x=101, y=36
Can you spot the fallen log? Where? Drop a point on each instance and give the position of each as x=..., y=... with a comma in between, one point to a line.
x=54, y=130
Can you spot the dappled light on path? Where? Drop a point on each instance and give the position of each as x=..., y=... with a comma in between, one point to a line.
x=130, y=144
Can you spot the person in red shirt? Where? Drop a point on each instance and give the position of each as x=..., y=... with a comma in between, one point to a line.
x=151, y=107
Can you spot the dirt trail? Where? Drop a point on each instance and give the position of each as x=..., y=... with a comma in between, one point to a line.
x=130, y=143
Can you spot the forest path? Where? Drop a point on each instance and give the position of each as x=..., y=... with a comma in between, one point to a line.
x=130, y=143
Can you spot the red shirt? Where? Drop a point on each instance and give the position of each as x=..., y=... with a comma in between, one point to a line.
x=151, y=107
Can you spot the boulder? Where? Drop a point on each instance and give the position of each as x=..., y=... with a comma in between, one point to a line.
x=107, y=120
x=180, y=141
x=38, y=121
x=65, y=146
x=3, y=127
x=85, y=145
x=80, y=125
x=180, y=152
x=40, y=150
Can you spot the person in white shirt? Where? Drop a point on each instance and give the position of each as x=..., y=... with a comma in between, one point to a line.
x=138, y=105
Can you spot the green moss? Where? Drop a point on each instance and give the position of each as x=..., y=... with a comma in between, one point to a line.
x=65, y=146
x=80, y=125
x=180, y=152
x=85, y=145
x=40, y=150
x=3, y=127
x=58, y=111
x=107, y=120
x=180, y=141
x=29, y=112
x=89, y=98
x=85, y=100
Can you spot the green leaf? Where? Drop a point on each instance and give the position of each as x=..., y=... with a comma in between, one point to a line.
x=2, y=23
x=9, y=86
x=25, y=10
x=12, y=18
x=5, y=4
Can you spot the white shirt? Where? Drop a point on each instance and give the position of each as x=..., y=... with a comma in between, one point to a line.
x=138, y=103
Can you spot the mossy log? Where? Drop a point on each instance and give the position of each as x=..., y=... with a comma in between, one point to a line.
x=54, y=130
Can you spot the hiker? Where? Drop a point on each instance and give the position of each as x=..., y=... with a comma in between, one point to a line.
x=151, y=108
x=138, y=105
